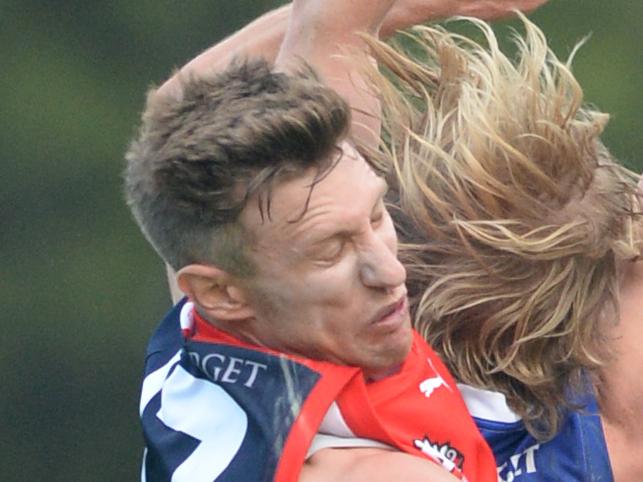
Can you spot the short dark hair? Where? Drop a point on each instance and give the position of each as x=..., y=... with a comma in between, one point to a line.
x=200, y=155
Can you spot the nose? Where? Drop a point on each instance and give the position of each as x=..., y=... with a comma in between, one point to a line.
x=379, y=267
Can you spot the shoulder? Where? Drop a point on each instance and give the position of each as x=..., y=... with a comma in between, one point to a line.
x=211, y=408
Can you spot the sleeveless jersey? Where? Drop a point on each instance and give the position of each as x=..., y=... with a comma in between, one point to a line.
x=577, y=453
x=216, y=408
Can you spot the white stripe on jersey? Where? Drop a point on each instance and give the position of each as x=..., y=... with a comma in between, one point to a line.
x=204, y=411
x=334, y=432
x=487, y=405
x=334, y=423
x=153, y=383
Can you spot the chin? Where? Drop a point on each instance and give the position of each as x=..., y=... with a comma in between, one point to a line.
x=401, y=342
x=394, y=354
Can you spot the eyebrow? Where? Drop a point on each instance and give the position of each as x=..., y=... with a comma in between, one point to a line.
x=332, y=234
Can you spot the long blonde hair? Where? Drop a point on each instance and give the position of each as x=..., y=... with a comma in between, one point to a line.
x=513, y=214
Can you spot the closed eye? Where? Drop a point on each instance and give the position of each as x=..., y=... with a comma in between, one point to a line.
x=378, y=213
x=330, y=252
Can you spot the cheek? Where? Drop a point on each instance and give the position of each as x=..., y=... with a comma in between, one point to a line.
x=333, y=286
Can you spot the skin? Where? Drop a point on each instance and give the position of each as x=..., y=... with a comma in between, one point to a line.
x=371, y=465
x=329, y=285
x=620, y=392
x=417, y=11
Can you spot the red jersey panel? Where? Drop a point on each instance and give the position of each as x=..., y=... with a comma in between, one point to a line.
x=418, y=410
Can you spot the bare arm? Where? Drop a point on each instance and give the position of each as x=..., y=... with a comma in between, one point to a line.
x=264, y=36
x=326, y=33
x=412, y=12
x=370, y=465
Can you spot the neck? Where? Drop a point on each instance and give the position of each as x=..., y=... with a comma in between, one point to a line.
x=376, y=375
x=620, y=387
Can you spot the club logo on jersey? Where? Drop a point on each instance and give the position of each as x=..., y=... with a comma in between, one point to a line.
x=449, y=457
x=428, y=386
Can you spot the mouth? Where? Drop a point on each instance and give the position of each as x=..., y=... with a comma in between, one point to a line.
x=392, y=315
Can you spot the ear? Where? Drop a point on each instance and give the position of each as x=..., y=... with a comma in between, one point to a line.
x=215, y=291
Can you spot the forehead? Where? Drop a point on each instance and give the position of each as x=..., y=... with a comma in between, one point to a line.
x=346, y=194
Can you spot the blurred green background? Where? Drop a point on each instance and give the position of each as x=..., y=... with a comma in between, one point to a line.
x=81, y=290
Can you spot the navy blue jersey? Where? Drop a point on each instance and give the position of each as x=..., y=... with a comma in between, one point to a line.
x=577, y=453
x=215, y=411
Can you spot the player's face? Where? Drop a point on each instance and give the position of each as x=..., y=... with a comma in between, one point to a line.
x=328, y=284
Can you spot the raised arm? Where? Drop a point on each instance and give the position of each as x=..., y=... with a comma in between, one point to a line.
x=412, y=12
x=326, y=33
x=263, y=36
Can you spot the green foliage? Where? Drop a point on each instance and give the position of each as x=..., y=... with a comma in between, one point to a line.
x=81, y=288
